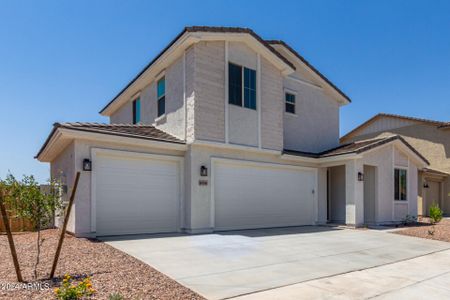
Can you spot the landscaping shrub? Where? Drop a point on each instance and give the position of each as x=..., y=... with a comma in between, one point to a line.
x=435, y=213
x=408, y=220
x=116, y=296
x=73, y=291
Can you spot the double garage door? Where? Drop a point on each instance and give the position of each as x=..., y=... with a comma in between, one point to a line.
x=258, y=195
x=136, y=193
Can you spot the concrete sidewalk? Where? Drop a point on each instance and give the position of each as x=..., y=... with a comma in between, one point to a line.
x=424, y=277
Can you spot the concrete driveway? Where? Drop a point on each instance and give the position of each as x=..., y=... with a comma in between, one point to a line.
x=229, y=264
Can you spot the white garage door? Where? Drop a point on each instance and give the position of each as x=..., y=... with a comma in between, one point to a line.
x=136, y=193
x=262, y=195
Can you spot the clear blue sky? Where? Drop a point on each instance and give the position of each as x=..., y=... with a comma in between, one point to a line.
x=64, y=60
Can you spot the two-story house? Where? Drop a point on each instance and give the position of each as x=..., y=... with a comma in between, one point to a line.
x=431, y=138
x=224, y=130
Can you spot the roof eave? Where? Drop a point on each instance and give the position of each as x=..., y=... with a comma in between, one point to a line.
x=60, y=137
x=346, y=99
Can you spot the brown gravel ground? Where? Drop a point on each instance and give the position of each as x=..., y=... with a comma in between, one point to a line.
x=111, y=270
x=441, y=230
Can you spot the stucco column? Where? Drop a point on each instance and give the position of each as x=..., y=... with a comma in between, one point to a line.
x=354, y=194
x=322, y=191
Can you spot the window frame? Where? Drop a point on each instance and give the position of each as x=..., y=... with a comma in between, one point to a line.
x=294, y=93
x=400, y=169
x=136, y=115
x=243, y=87
x=160, y=98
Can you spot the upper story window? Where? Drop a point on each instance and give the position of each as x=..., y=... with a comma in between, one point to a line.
x=136, y=110
x=161, y=96
x=241, y=85
x=400, y=183
x=289, y=102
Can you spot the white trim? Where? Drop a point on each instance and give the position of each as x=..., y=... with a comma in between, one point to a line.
x=393, y=182
x=240, y=162
x=235, y=147
x=227, y=138
x=63, y=136
x=298, y=80
x=323, y=161
x=135, y=96
x=184, y=94
x=258, y=97
x=286, y=90
x=159, y=76
x=294, y=93
x=123, y=153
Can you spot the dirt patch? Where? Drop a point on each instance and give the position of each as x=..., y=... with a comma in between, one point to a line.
x=110, y=269
x=425, y=229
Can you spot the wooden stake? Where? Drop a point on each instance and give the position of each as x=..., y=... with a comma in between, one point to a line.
x=10, y=239
x=63, y=231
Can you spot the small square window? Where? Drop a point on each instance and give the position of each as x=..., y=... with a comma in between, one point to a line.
x=290, y=103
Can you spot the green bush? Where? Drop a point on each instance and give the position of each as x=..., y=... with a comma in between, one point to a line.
x=435, y=213
x=70, y=290
x=115, y=296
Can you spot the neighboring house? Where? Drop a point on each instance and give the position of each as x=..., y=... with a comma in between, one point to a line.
x=224, y=130
x=431, y=138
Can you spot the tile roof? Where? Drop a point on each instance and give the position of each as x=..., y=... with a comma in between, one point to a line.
x=129, y=130
x=356, y=148
x=439, y=124
x=147, y=132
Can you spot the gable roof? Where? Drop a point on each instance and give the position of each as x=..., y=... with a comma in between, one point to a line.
x=211, y=29
x=438, y=124
x=238, y=30
x=357, y=148
x=138, y=131
x=280, y=42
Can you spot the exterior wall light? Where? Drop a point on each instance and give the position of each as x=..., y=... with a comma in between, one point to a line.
x=203, y=171
x=425, y=185
x=87, y=164
x=360, y=176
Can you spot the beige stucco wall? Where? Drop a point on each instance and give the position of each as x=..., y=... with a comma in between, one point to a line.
x=173, y=121
x=433, y=143
x=209, y=87
x=315, y=125
x=337, y=194
x=272, y=107
x=63, y=170
x=386, y=209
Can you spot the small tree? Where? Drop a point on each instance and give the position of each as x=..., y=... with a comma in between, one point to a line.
x=27, y=200
x=435, y=213
x=12, y=247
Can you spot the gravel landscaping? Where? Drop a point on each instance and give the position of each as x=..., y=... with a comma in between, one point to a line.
x=423, y=229
x=110, y=270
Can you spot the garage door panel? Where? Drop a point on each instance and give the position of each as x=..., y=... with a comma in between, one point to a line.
x=256, y=196
x=136, y=195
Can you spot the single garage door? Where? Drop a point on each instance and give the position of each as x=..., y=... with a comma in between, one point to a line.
x=258, y=195
x=136, y=193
